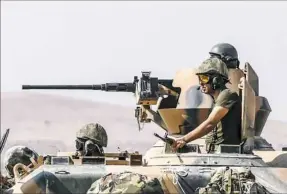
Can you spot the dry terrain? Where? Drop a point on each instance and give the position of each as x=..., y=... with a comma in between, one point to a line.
x=48, y=123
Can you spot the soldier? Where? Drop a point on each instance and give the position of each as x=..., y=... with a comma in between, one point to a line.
x=91, y=139
x=227, y=53
x=126, y=182
x=15, y=155
x=223, y=125
x=5, y=183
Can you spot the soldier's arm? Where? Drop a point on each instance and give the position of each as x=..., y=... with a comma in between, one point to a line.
x=224, y=102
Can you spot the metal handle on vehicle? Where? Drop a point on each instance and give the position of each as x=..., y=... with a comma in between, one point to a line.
x=62, y=172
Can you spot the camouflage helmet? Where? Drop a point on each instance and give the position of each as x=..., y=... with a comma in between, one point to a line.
x=95, y=132
x=18, y=154
x=213, y=66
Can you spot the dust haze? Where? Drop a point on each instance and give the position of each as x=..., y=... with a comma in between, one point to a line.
x=49, y=123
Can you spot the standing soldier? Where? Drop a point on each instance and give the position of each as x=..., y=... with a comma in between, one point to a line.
x=227, y=53
x=223, y=125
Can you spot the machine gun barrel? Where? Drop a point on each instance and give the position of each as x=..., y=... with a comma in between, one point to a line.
x=121, y=87
x=165, y=139
x=4, y=139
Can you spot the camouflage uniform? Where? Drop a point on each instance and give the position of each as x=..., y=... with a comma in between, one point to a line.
x=6, y=183
x=226, y=180
x=228, y=130
x=18, y=154
x=126, y=182
x=91, y=139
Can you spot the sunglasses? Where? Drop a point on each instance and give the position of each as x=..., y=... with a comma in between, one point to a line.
x=204, y=78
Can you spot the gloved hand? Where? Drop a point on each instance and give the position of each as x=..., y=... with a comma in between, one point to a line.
x=248, y=146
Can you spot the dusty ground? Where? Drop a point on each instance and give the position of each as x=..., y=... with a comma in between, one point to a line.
x=48, y=123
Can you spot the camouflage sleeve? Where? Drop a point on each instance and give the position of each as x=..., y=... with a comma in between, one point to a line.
x=227, y=99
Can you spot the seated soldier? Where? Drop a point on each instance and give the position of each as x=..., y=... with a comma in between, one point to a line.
x=91, y=139
x=229, y=55
x=223, y=126
x=15, y=155
x=126, y=182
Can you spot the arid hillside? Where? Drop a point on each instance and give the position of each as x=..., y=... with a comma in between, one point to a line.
x=48, y=123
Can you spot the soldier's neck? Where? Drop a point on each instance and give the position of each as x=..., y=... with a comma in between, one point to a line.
x=216, y=93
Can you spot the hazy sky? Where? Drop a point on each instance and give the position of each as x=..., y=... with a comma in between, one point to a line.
x=75, y=42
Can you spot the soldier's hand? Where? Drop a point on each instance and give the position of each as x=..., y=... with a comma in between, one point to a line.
x=248, y=146
x=178, y=143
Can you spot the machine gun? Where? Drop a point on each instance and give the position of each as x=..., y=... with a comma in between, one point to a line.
x=147, y=91
x=3, y=140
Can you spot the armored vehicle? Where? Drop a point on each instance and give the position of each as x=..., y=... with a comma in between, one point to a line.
x=177, y=106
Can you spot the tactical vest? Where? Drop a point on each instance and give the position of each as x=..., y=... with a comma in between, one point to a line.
x=228, y=129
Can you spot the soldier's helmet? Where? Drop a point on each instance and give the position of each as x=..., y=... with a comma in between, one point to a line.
x=18, y=154
x=227, y=53
x=213, y=66
x=94, y=132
